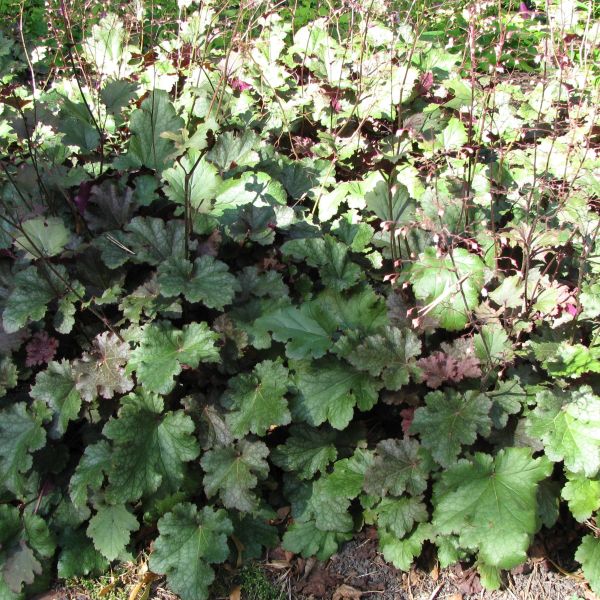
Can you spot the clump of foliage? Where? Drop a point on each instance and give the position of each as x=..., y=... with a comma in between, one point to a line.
x=345, y=264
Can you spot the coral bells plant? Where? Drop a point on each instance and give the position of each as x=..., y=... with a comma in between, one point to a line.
x=293, y=273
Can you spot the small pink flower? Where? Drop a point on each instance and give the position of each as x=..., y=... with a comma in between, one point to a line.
x=41, y=349
x=237, y=85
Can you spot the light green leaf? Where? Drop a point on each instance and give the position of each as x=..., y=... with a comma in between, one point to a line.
x=163, y=350
x=401, y=553
x=588, y=554
x=582, y=495
x=492, y=345
x=150, y=447
x=399, y=466
x=43, y=237
x=193, y=179
x=329, y=390
x=454, y=135
x=389, y=354
x=572, y=360
x=476, y=499
x=188, y=542
x=391, y=205
x=257, y=400
x=230, y=149
x=207, y=280
x=233, y=472
x=568, y=424
x=21, y=434
x=155, y=116
x=306, y=452
x=110, y=529
x=257, y=188
x=8, y=375
x=490, y=576
x=459, y=416
x=56, y=387
x=450, y=292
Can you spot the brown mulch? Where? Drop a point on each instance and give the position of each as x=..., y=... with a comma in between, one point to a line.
x=358, y=572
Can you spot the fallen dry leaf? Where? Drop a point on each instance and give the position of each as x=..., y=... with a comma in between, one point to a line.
x=346, y=592
x=236, y=593
x=455, y=597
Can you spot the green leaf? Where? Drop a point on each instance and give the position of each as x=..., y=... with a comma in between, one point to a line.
x=188, y=542
x=78, y=132
x=78, y=557
x=459, y=416
x=116, y=94
x=588, y=554
x=24, y=540
x=389, y=355
x=56, y=387
x=393, y=205
x=568, y=424
x=308, y=330
x=90, y=471
x=233, y=472
x=32, y=293
x=154, y=240
x=399, y=466
x=329, y=390
x=306, y=539
x=332, y=493
x=401, y=553
x=337, y=271
x=507, y=399
x=449, y=289
x=582, y=495
x=43, y=237
x=257, y=400
x=203, y=182
x=254, y=534
x=110, y=529
x=399, y=515
x=163, y=350
x=207, y=280
x=476, y=499
x=21, y=434
x=155, y=116
x=306, y=451
x=150, y=447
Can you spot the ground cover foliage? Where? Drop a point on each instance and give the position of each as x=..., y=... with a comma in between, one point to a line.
x=274, y=273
